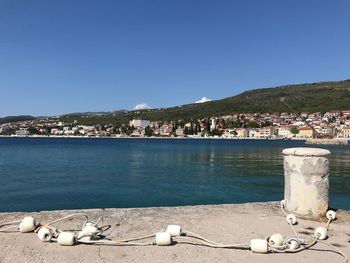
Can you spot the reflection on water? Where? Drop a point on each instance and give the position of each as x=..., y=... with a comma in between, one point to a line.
x=46, y=174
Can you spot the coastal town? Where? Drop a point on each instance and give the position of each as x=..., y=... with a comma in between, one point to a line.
x=333, y=124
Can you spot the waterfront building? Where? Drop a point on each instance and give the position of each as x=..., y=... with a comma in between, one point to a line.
x=284, y=132
x=229, y=133
x=136, y=133
x=165, y=130
x=68, y=132
x=326, y=130
x=306, y=132
x=84, y=130
x=253, y=133
x=22, y=132
x=180, y=132
x=346, y=132
x=57, y=131
x=266, y=132
x=242, y=133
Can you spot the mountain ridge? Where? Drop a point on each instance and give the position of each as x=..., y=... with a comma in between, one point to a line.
x=306, y=97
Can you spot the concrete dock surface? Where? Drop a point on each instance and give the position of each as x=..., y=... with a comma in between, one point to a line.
x=236, y=223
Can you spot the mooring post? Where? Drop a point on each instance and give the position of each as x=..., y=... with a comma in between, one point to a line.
x=306, y=186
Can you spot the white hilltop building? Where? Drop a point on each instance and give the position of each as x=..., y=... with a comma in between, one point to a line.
x=139, y=123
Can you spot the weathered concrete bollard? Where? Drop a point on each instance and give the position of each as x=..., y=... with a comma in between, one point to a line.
x=306, y=181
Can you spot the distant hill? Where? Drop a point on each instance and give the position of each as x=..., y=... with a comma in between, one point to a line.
x=310, y=97
x=16, y=118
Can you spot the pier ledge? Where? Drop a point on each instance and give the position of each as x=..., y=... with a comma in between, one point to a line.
x=224, y=223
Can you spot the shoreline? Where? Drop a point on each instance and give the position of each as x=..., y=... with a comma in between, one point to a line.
x=131, y=137
x=223, y=223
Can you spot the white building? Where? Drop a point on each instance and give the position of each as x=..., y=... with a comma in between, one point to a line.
x=253, y=133
x=212, y=125
x=284, y=132
x=139, y=123
x=56, y=132
x=180, y=132
x=22, y=132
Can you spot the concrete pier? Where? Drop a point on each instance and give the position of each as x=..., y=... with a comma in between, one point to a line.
x=222, y=223
x=306, y=172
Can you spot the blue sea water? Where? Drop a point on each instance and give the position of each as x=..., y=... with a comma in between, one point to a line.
x=48, y=174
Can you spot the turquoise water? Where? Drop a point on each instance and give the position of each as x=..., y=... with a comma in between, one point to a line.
x=47, y=174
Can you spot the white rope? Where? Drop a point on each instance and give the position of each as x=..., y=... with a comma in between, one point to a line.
x=336, y=249
x=136, y=238
x=295, y=232
x=289, y=223
x=204, y=243
x=282, y=207
x=191, y=234
x=7, y=229
x=114, y=243
x=328, y=223
x=68, y=217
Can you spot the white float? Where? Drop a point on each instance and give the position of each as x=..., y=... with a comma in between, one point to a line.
x=174, y=230
x=259, y=246
x=321, y=233
x=291, y=219
x=88, y=232
x=163, y=239
x=276, y=239
x=293, y=244
x=44, y=234
x=27, y=225
x=331, y=215
x=66, y=239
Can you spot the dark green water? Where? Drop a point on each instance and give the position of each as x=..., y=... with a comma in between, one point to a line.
x=47, y=174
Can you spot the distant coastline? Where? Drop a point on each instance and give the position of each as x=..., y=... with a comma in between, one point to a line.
x=153, y=137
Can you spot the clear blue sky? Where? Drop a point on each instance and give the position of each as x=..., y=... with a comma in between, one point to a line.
x=61, y=56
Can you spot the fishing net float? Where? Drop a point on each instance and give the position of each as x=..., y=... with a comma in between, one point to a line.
x=92, y=232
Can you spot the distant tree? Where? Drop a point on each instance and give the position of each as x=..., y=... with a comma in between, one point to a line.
x=33, y=130
x=149, y=131
x=8, y=131
x=294, y=130
x=216, y=132
x=266, y=123
x=252, y=125
x=207, y=125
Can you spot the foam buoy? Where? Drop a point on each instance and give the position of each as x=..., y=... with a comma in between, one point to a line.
x=321, y=233
x=174, y=230
x=283, y=203
x=44, y=234
x=27, y=225
x=89, y=224
x=331, y=215
x=163, y=239
x=66, y=239
x=293, y=244
x=259, y=246
x=88, y=232
x=291, y=219
x=276, y=239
